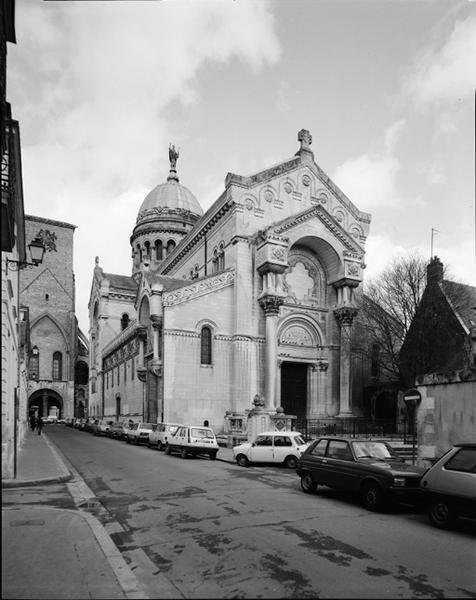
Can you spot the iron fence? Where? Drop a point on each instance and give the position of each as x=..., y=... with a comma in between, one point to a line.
x=354, y=427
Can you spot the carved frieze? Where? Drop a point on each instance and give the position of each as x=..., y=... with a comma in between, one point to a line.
x=199, y=289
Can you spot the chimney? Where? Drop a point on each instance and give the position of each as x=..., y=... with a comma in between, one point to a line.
x=434, y=271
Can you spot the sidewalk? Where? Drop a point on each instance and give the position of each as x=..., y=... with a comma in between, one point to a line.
x=52, y=552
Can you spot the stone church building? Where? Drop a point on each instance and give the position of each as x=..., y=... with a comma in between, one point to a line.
x=252, y=301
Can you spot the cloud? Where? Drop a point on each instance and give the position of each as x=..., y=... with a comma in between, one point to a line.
x=370, y=181
x=89, y=83
x=443, y=75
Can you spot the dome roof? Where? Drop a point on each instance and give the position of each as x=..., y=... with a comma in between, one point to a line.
x=170, y=196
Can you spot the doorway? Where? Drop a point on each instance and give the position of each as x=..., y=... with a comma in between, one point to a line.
x=294, y=388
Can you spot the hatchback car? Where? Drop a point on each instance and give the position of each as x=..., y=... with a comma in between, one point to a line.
x=450, y=486
x=193, y=440
x=284, y=447
x=159, y=437
x=139, y=432
x=366, y=467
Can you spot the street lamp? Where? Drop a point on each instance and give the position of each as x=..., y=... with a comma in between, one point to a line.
x=37, y=250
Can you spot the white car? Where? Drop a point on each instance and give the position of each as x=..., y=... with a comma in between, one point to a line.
x=284, y=447
x=194, y=440
x=139, y=432
x=159, y=437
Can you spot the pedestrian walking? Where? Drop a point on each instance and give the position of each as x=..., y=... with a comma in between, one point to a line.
x=32, y=422
x=39, y=425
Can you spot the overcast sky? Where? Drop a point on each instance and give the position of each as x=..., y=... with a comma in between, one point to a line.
x=386, y=88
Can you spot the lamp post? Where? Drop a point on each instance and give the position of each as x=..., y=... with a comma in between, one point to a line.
x=37, y=250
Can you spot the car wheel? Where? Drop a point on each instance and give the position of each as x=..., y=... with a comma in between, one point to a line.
x=183, y=453
x=213, y=455
x=441, y=513
x=308, y=484
x=290, y=462
x=159, y=445
x=167, y=449
x=242, y=460
x=372, y=496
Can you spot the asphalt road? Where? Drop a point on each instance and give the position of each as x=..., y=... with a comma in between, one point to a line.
x=197, y=528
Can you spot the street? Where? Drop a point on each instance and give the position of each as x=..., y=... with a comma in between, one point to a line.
x=197, y=528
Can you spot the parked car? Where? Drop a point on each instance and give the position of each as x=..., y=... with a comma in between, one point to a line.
x=118, y=430
x=139, y=432
x=159, y=437
x=61, y=421
x=450, y=486
x=193, y=440
x=87, y=425
x=100, y=427
x=284, y=447
x=366, y=467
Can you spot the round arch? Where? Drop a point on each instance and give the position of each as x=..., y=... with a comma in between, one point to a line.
x=45, y=402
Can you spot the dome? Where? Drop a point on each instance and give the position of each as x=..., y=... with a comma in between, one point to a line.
x=169, y=197
x=172, y=196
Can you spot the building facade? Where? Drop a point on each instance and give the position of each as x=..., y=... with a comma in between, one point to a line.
x=253, y=301
x=58, y=358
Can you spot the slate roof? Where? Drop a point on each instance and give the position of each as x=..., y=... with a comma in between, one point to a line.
x=462, y=298
x=122, y=282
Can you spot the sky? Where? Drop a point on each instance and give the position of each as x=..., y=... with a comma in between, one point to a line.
x=386, y=88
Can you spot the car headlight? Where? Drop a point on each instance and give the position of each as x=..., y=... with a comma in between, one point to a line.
x=399, y=481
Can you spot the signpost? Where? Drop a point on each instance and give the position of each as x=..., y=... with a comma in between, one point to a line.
x=412, y=399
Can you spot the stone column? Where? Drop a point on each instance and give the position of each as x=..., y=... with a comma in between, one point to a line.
x=279, y=364
x=45, y=404
x=271, y=305
x=323, y=396
x=312, y=408
x=345, y=316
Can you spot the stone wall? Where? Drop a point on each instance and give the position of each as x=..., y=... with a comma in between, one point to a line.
x=446, y=415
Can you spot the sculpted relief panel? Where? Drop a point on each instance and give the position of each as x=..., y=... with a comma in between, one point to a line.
x=296, y=335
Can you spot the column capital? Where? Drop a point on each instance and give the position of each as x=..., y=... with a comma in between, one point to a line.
x=156, y=321
x=323, y=365
x=345, y=315
x=271, y=304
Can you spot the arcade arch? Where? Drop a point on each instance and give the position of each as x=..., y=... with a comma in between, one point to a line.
x=45, y=402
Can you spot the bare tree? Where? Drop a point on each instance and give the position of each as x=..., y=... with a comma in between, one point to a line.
x=389, y=303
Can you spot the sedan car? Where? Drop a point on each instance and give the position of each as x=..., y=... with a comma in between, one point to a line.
x=118, y=430
x=283, y=447
x=139, y=432
x=450, y=486
x=366, y=467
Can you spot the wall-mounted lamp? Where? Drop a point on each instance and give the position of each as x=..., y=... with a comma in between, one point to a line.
x=37, y=250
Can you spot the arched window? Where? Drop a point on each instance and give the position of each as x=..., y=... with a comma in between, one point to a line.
x=221, y=257
x=206, y=346
x=147, y=250
x=118, y=408
x=57, y=366
x=158, y=249
x=170, y=246
x=35, y=363
x=215, y=261
x=124, y=321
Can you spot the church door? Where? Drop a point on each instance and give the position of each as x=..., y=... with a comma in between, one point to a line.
x=294, y=388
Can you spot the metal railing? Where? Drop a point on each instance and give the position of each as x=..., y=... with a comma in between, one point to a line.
x=354, y=427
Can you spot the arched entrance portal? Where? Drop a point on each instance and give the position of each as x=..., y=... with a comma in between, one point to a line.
x=43, y=403
x=294, y=388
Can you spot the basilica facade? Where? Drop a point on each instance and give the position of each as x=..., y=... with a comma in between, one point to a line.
x=253, y=301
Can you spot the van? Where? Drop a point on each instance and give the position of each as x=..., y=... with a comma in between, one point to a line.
x=193, y=440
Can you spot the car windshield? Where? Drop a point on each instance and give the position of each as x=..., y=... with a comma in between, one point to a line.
x=146, y=425
x=372, y=450
x=202, y=433
x=299, y=440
